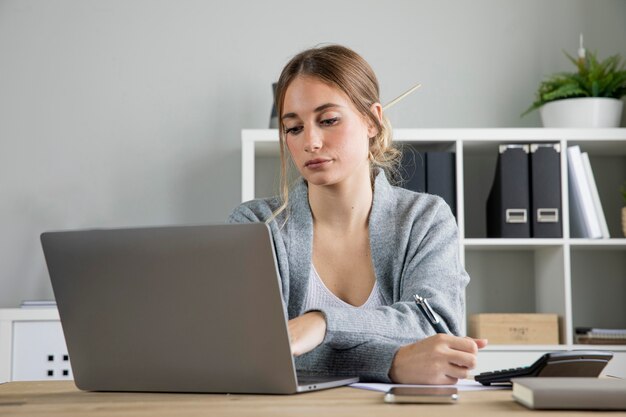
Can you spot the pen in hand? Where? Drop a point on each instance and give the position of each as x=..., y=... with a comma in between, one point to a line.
x=424, y=307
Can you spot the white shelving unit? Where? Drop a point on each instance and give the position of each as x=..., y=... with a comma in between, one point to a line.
x=32, y=346
x=581, y=280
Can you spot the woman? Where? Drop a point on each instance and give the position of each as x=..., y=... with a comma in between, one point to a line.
x=352, y=249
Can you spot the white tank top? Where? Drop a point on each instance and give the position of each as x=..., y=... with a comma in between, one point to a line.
x=319, y=296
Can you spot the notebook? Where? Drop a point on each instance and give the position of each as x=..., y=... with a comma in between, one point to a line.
x=174, y=309
x=571, y=393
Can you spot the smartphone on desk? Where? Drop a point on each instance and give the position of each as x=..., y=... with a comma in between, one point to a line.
x=421, y=395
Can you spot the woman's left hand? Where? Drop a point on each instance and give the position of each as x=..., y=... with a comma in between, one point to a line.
x=306, y=332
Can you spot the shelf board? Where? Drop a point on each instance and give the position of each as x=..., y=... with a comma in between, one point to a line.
x=597, y=243
x=532, y=243
x=478, y=134
x=510, y=134
x=614, y=348
x=478, y=140
x=541, y=348
x=510, y=244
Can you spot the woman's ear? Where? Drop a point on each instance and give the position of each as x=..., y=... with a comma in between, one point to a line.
x=377, y=110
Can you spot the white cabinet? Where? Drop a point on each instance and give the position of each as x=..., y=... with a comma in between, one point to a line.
x=581, y=280
x=32, y=346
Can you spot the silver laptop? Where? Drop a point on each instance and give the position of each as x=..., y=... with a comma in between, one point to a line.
x=174, y=309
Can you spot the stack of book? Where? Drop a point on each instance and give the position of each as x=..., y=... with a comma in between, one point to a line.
x=594, y=336
x=587, y=216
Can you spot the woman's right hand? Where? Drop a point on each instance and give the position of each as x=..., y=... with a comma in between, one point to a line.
x=439, y=359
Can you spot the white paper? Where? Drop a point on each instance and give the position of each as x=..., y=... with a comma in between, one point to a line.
x=462, y=385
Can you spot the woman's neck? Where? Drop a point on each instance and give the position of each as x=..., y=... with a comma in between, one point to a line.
x=344, y=206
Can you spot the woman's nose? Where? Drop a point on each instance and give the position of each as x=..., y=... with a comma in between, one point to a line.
x=312, y=139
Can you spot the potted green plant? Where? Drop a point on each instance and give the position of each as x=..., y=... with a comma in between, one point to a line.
x=623, y=190
x=589, y=97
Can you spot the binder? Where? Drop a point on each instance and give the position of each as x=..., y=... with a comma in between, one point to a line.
x=508, y=202
x=545, y=190
x=441, y=176
x=584, y=219
x=413, y=169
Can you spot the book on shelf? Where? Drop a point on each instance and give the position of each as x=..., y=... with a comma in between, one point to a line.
x=600, y=336
x=430, y=172
x=595, y=196
x=571, y=393
x=585, y=218
x=440, y=177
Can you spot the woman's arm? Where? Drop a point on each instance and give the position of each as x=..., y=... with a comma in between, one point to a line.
x=439, y=359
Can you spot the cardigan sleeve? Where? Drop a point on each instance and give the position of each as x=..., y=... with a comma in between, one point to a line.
x=370, y=361
x=243, y=214
x=433, y=270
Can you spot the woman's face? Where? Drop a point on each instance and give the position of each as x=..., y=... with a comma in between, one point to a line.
x=327, y=137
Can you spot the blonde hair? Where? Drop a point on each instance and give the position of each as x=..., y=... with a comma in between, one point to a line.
x=341, y=68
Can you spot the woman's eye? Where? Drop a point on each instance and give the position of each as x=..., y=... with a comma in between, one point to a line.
x=329, y=122
x=293, y=130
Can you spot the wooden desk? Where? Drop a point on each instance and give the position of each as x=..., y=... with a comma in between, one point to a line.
x=62, y=398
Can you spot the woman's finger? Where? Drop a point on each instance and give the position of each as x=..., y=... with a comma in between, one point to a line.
x=462, y=359
x=455, y=371
x=481, y=343
x=463, y=344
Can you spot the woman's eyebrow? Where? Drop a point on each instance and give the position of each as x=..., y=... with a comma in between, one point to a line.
x=317, y=110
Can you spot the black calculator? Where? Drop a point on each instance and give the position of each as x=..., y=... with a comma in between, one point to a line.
x=580, y=363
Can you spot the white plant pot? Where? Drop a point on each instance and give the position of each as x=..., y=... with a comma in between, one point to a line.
x=582, y=112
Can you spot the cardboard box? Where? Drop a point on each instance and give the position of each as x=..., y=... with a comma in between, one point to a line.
x=515, y=329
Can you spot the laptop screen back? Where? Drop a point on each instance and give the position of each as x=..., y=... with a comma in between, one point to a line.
x=184, y=309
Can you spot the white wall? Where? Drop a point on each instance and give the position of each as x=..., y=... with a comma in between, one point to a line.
x=119, y=113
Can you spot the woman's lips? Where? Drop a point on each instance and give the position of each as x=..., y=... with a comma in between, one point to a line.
x=317, y=163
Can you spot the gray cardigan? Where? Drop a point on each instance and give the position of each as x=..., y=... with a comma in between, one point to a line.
x=415, y=250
